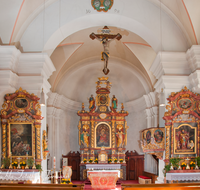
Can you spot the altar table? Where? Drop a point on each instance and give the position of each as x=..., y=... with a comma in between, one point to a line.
x=103, y=179
x=183, y=175
x=121, y=167
x=10, y=175
x=104, y=171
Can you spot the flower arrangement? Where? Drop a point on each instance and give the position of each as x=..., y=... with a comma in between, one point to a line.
x=183, y=164
x=22, y=164
x=14, y=164
x=66, y=181
x=84, y=160
x=115, y=160
x=192, y=164
x=121, y=160
x=96, y=160
x=109, y=160
x=90, y=160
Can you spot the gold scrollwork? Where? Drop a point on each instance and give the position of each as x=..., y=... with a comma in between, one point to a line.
x=167, y=142
x=92, y=134
x=44, y=145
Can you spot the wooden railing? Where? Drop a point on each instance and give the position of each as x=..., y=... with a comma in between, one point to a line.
x=152, y=176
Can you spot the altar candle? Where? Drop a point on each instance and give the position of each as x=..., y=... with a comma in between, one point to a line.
x=54, y=162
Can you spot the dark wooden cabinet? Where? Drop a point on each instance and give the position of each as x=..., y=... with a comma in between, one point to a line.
x=134, y=165
x=74, y=161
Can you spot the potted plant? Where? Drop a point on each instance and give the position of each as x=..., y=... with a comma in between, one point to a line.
x=84, y=160
x=121, y=160
x=14, y=165
x=166, y=169
x=183, y=165
x=22, y=165
x=109, y=160
x=192, y=165
x=30, y=162
x=96, y=160
x=198, y=161
x=115, y=160
x=39, y=167
x=90, y=160
x=6, y=162
x=66, y=181
x=175, y=162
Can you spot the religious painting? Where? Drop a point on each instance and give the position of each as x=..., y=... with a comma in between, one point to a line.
x=21, y=103
x=103, y=99
x=185, y=139
x=148, y=137
x=103, y=136
x=158, y=136
x=21, y=139
x=185, y=103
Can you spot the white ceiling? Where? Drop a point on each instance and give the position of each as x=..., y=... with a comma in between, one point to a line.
x=61, y=28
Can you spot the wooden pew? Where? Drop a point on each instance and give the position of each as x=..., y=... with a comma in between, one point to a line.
x=7, y=186
x=177, y=186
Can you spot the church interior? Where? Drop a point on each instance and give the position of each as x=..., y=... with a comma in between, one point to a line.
x=100, y=94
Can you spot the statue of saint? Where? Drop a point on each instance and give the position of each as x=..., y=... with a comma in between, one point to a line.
x=91, y=103
x=120, y=138
x=105, y=54
x=114, y=102
x=85, y=138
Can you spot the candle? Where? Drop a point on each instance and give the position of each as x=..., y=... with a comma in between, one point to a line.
x=54, y=162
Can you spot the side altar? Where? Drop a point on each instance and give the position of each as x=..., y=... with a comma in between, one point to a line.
x=102, y=131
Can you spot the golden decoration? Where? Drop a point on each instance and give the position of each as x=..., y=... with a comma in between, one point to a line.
x=103, y=78
x=44, y=145
x=92, y=134
x=4, y=139
x=113, y=133
x=79, y=132
x=167, y=142
x=102, y=108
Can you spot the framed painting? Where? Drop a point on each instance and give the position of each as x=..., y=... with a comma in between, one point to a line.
x=103, y=136
x=21, y=139
x=185, y=139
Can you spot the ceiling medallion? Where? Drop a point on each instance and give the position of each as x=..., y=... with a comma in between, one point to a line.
x=102, y=5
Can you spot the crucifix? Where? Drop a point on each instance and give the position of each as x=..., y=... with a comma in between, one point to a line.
x=105, y=38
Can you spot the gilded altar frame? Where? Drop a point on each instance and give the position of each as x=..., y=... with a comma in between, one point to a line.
x=182, y=110
x=194, y=139
x=22, y=108
x=32, y=139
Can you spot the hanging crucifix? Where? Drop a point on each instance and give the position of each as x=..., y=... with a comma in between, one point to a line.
x=105, y=38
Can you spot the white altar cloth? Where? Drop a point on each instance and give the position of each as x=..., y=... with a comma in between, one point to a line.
x=103, y=166
x=183, y=176
x=20, y=175
x=106, y=171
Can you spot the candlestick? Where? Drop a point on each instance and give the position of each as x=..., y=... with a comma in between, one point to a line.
x=87, y=157
x=118, y=158
x=10, y=167
x=124, y=158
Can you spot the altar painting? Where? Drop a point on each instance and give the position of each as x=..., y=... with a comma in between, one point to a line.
x=185, y=139
x=103, y=136
x=21, y=139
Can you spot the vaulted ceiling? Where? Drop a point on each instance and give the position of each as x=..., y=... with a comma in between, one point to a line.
x=61, y=28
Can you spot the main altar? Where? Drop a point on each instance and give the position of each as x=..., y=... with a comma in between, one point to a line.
x=102, y=133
